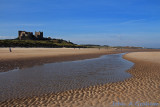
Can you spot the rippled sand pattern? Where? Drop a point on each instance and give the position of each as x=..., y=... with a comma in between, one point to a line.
x=144, y=86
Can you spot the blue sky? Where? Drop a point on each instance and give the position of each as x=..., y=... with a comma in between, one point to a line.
x=104, y=22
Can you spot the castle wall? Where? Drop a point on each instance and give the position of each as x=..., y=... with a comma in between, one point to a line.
x=23, y=35
x=39, y=35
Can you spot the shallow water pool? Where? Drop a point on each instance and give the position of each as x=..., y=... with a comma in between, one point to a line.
x=57, y=77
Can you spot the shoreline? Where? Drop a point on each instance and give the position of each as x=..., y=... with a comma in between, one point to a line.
x=142, y=87
x=10, y=64
x=22, y=58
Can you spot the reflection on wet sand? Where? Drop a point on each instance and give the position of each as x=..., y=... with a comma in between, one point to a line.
x=57, y=77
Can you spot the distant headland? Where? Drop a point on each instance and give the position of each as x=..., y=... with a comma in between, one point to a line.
x=28, y=39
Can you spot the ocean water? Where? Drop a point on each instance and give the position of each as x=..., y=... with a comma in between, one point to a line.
x=62, y=76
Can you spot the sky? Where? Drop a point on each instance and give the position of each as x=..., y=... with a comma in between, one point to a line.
x=102, y=22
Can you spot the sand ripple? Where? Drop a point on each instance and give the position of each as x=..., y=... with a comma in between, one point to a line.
x=143, y=87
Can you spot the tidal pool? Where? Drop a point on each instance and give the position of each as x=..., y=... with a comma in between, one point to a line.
x=62, y=76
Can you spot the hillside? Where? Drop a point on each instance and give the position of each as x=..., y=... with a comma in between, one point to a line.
x=53, y=43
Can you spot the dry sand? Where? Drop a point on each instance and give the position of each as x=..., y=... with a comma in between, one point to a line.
x=146, y=56
x=143, y=87
x=29, y=53
x=20, y=53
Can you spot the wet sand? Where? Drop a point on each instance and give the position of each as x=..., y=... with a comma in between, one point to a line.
x=63, y=76
x=28, y=57
x=143, y=87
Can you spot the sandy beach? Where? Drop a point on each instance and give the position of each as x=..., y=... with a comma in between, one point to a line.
x=79, y=53
x=142, y=89
x=27, y=57
x=21, y=53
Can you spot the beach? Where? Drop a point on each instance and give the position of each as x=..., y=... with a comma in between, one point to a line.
x=28, y=57
x=142, y=89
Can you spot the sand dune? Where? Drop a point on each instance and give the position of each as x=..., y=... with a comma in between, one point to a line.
x=142, y=90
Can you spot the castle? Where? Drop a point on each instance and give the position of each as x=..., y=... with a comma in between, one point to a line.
x=23, y=35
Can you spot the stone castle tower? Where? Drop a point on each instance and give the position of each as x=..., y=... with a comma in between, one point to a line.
x=23, y=35
x=39, y=35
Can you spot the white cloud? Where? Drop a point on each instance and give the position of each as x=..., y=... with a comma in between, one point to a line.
x=21, y=24
x=29, y=24
x=7, y=37
x=133, y=21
